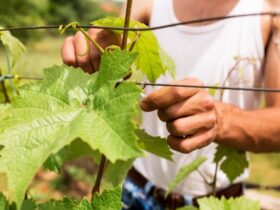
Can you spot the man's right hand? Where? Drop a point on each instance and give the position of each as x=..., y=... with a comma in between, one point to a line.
x=75, y=51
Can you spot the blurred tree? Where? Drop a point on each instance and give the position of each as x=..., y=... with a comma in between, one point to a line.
x=21, y=13
x=34, y=12
x=65, y=11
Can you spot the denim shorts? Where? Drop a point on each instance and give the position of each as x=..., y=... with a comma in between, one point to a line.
x=137, y=198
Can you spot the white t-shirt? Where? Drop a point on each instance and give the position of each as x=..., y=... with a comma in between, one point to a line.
x=208, y=53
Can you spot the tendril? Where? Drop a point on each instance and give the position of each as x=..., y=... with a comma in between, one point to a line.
x=76, y=27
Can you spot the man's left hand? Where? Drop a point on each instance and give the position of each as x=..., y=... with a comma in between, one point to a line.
x=189, y=113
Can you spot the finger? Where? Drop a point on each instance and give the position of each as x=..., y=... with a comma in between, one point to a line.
x=167, y=96
x=94, y=52
x=107, y=38
x=68, y=52
x=104, y=38
x=82, y=55
x=192, y=124
x=189, y=144
x=199, y=103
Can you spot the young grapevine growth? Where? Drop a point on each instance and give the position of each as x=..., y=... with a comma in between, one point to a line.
x=71, y=113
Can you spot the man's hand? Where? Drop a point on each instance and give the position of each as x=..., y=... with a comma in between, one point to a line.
x=189, y=113
x=76, y=52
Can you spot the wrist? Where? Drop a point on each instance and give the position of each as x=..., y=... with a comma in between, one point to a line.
x=225, y=123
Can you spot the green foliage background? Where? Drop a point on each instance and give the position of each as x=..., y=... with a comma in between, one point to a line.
x=34, y=12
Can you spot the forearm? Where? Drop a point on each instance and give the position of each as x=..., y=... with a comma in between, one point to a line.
x=250, y=130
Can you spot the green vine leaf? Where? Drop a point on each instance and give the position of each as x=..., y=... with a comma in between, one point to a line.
x=233, y=162
x=241, y=203
x=154, y=145
x=14, y=46
x=113, y=109
x=76, y=149
x=96, y=111
x=29, y=205
x=151, y=60
x=3, y=108
x=65, y=204
x=4, y=205
x=116, y=172
x=31, y=133
x=168, y=62
x=184, y=172
x=108, y=200
x=67, y=84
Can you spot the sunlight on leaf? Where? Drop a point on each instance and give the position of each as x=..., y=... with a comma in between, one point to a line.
x=14, y=46
x=184, y=172
x=233, y=163
x=151, y=60
x=241, y=203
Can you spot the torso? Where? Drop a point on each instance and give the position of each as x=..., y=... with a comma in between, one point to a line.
x=206, y=52
x=180, y=7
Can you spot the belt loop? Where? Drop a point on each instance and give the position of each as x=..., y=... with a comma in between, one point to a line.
x=188, y=199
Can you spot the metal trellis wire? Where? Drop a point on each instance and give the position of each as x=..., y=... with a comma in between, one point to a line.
x=272, y=13
x=255, y=89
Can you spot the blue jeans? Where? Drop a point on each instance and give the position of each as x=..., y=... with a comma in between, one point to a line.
x=137, y=198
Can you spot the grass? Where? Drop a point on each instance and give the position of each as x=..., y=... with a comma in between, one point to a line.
x=40, y=55
x=265, y=170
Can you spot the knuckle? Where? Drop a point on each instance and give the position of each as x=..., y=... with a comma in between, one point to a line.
x=167, y=114
x=175, y=128
x=174, y=144
x=105, y=34
x=186, y=148
x=93, y=31
x=212, y=118
x=180, y=145
x=69, y=61
x=209, y=136
x=178, y=92
x=171, y=142
x=107, y=38
x=162, y=115
x=94, y=54
x=208, y=102
x=83, y=60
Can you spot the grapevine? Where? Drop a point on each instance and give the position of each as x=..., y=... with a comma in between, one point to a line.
x=96, y=111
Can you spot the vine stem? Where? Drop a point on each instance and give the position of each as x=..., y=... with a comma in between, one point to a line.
x=102, y=166
x=126, y=23
x=4, y=89
x=233, y=68
x=230, y=72
x=204, y=178
x=101, y=169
